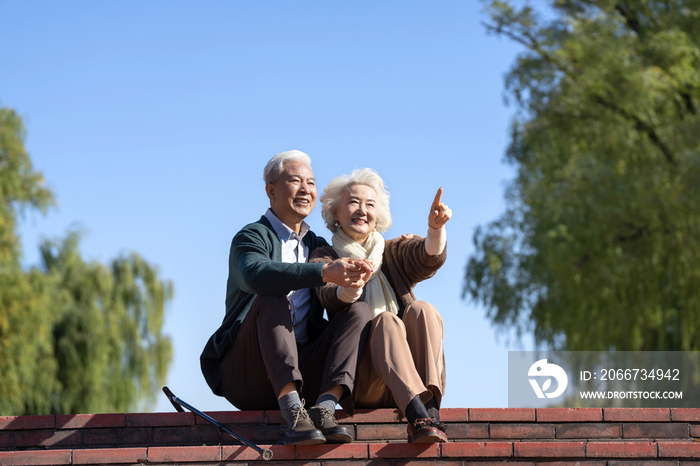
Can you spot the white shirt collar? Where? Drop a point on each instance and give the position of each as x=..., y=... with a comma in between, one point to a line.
x=282, y=230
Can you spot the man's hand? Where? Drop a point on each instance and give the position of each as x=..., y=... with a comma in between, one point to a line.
x=439, y=212
x=348, y=272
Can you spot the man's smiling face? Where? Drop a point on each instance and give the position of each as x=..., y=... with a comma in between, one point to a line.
x=293, y=194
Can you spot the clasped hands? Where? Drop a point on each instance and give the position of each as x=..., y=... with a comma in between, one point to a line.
x=348, y=272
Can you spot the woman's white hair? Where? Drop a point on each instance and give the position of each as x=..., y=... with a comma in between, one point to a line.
x=333, y=193
x=275, y=166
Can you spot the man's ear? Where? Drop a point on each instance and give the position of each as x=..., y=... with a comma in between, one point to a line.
x=270, y=190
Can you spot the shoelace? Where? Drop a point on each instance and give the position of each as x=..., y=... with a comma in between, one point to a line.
x=326, y=414
x=299, y=413
x=428, y=422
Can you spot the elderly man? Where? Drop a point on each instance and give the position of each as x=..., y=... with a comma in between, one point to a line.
x=274, y=346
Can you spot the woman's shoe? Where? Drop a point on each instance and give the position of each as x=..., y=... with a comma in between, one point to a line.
x=426, y=431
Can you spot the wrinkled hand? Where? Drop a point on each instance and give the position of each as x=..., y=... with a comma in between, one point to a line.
x=407, y=236
x=367, y=269
x=348, y=272
x=439, y=212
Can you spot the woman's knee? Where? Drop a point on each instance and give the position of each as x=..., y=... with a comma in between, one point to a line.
x=387, y=322
x=422, y=311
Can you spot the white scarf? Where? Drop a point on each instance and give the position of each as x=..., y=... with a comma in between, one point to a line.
x=378, y=292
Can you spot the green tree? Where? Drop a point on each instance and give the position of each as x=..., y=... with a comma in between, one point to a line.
x=75, y=336
x=599, y=247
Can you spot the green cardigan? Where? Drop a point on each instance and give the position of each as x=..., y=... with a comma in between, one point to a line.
x=255, y=267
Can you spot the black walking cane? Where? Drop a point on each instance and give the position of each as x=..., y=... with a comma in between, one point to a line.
x=178, y=403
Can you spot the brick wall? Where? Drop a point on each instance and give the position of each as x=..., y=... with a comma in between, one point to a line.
x=528, y=437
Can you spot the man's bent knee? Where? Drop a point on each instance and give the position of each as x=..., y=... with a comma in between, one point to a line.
x=271, y=302
x=359, y=312
x=272, y=307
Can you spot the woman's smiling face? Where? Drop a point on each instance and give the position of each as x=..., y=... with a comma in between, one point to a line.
x=357, y=213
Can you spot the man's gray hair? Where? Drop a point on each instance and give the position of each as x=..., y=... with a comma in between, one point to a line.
x=333, y=193
x=275, y=166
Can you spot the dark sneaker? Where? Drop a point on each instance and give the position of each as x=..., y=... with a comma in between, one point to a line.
x=426, y=431
x=324, y=420
x=297, y=429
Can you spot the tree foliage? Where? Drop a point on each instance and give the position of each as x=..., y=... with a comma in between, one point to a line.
x=599, y=247
x=75, y=336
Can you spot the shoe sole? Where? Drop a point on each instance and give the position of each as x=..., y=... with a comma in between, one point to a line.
x=338, y=438
x=313, y=440
x=304, y=442
x=337, y=435
x=432, y=438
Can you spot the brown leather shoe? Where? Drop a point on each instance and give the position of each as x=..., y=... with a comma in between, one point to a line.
x=426, y=431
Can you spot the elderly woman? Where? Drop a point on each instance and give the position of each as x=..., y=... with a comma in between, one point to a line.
x=403, y=365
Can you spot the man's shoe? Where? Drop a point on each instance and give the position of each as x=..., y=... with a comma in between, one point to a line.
x=324, y=421
x=426, y=431
x=297, y=429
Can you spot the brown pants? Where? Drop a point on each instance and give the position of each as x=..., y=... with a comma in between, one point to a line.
x=404, y=359
x=265, y=356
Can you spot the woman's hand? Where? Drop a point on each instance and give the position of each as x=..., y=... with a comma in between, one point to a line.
x=439, y=212
x=350, y=290
x=367, y=269
x=348, y=272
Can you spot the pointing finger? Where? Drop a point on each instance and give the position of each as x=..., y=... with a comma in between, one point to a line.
x=436, y=201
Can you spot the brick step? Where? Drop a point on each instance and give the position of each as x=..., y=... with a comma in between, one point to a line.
x=600, y=437
x=380, y=426
x=451, y=453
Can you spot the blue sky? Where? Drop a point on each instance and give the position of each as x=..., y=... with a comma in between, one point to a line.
x=152, y=122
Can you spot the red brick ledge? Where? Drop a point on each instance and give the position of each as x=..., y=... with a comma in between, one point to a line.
x=364, y=416
x=614, y=453
x=134, y=430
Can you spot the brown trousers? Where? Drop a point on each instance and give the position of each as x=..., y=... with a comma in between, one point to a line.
x=265, y=356
x=404, y=359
